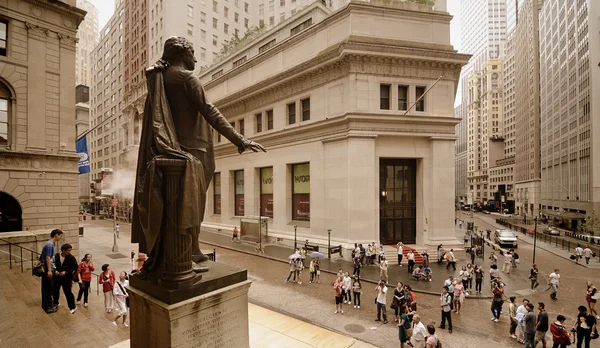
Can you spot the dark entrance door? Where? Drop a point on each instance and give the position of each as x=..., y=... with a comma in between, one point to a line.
x=397, y=201
x=10, y=214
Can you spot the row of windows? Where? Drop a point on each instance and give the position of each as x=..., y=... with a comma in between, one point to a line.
x=385, y=97
x=300, y=184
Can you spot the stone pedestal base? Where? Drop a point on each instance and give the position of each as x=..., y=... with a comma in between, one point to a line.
x=218, y=318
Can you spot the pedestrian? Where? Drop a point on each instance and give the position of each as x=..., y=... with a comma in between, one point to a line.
x=590, y=297
x=122, y=298
x=478, y=278
x=587, y=253
x=464, y=277
x=450, y=282
x=445, y=302
x=512, y=314
x=515, y=258
x=400, y=246
x=340, y=273
x=460, y=223
x=554, y=282
x=451, y=260
x=530, y=322
x=292, y=263
x=578, y=253
x=347, y=288
x=47, y=261
x=404, y=327
x=383, y=270
x=533, y=276
x=410, y=256
x=425, y=257
x=311, y=270
x=337, y=287
x=299, y=267
x=235, y=234
x=418, y=273
x=494, y=273
x=373, y=253
x=466, y=237
x=497, y=301
x=507, y=262
x=440, y=254
x=357, y=290
x=317, y=270
x=560, y=334
x=398, y=300
x=432, y=340
x=117, y=229
x=470, y=275
x=473, y=253
x=381, y=253
x=107, y=280
x=356, y=261
x=66, y=268
x=381, y=301
x=585, y=325
x=368, y=255
x=542, y=325
x=411, y=298
x=419, y=333
x=459, y=296
x=521, y=312
x=362, y=254
x=356, y=250
x=84, y=277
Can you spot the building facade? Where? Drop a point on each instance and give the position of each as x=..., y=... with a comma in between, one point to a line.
x=461, y=146
x=38, y=162
x=87, y=38
x=570, y=110
x=527, y=96
x=351, y=147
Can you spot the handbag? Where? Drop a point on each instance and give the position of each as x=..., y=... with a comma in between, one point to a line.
x=38, y=269
x=126, y=294
x=408, y=332
x=394, y=304
x=596, y=295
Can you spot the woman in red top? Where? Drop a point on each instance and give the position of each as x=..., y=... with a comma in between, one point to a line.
x=337, y=286
x=84, y=277
x=560, y=335
x=107, y=279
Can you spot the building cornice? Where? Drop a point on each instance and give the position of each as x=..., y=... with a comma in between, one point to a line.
x=26, y=161
x=62, y=8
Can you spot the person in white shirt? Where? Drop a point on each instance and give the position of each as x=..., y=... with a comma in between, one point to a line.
x=507, y=262
x=587, y=253
x=419, y=332
x=381, y=301
x=554, y=280
x=347, y=288
x=383, y=270
x=381, y=253
x=121, y=296
x=411, y=260
x=578, y=253
x=400, y=252
x=451, y=260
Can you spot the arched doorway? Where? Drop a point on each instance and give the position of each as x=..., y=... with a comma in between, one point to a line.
x=10, y=213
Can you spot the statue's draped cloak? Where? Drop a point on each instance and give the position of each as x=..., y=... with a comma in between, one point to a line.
x=159, y=140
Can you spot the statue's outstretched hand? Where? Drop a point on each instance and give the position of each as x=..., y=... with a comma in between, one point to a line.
x=249, y=144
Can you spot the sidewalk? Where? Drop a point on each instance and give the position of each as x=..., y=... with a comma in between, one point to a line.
x=517, y=281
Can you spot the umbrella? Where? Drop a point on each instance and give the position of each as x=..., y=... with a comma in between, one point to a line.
x=294, y=256
x=317, y=255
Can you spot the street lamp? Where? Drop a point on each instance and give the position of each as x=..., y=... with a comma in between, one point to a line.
x=329, y=243
x=534, y=237
x=295, y=235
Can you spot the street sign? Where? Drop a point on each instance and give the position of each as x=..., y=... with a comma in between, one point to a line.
x=115, y=202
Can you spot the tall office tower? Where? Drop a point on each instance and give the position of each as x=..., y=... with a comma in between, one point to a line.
x=87, y=38
x=527, y=97
x=570, y=110
x=106, y=95
x=483, y=35
x=460, y=146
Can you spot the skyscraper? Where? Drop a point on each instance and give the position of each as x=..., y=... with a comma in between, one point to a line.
x=87, y=38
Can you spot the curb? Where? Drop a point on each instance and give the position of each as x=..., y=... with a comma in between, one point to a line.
x=333, y=272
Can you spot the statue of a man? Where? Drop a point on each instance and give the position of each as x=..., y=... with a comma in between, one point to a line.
x=179, y=126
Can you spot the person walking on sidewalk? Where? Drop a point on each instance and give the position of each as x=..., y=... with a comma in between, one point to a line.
x=299, y=267
x=381, y=301
x=542, y=325
x=440, y=254
x=560, y=334
x=587, y=253
x=470, y=276
x=381, y=253
x=383, y=270
x=521, y=312
x=554, y=282
x=337, y=288
x=84, y=277
x=66, y=268
x=533, y=276
x=347, y=288
x=449, y=283
x=117, y=230
x=410, y=256
x=311, y=271
x=498, y=291
x=357, y=290
x=419, y=332
x=464, y=277
x=400, y=246
x=578, y=253
x=451, y=260
x=398, y=300
x=368, y=254
x=459, y=296
x=590, y=297
x=121, y=297
x=530, y=322
x=292, y=271
x=445, y=302
x=357, y=265
x=585, y=326
x=512, y=314
x=507, y=262
x=478, y=278
x=317, y=270
x=107, y=280
x=404, y=327
x=235, y=236
x=47, y=261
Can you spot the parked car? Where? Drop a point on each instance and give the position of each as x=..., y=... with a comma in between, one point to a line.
x=506, y=238
x=553, y=231
x=485, y=212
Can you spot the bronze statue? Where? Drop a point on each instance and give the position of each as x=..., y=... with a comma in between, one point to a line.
x=176, y=125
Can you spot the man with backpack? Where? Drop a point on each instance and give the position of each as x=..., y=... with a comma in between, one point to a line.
x=445, y=301
x=47, y=262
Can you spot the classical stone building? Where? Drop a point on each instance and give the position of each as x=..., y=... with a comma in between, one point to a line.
x=351, y=147
x=38, y=163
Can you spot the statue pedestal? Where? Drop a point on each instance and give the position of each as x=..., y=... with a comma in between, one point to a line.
x=218, y=317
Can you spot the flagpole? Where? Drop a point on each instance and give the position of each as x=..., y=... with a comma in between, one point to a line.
x=423, y=95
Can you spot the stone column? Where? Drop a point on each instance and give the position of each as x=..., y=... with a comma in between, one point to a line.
x=36, y=84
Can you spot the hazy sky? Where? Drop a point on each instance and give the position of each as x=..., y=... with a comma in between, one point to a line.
x=107, y=7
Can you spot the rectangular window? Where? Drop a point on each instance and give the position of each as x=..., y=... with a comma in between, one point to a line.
x=266, y=192
x=202, y=17
x=242, y=126
x=226, y=12
x=305, y=105
x=291, y=111
x=384, y=98
x=226, y=28
x=295, y=30
x=203, y=35
x=271, y=5
x=215, y=40
x=269, y=119
x=266, y=46
x=217, y=74
x=246, y=23
x=190, y=11
x=420, y=92
x=215, y=23
x=301, y=192
x=190, y=30
x=271, y=20
x=246, y=7
x=236, y=17
x=217, y=193
x=3, y=121
x=202, y=53
x=402, y=97
x=239, y=62
x=261, y=9
x=238, y=177
x=258, y=118
x=215, y=5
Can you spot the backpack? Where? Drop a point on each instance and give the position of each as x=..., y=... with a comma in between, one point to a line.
x=515, y=256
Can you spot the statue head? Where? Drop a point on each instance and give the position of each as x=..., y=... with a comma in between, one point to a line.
x=179, y=50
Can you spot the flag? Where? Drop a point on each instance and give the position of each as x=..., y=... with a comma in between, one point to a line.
x=84, y=159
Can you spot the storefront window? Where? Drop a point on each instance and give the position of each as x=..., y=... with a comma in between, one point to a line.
x=266, y=192
x=301, y=192
x=239, y=192
x=217, y=193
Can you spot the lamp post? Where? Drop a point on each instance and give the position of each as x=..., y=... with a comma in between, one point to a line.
x=329, y=243
x=295, y=235
x=534, y=237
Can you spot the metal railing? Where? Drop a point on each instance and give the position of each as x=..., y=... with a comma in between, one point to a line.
x=34, y=256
